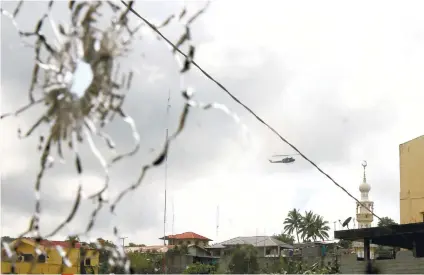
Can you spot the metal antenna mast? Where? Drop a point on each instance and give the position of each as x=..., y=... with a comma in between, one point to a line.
x=168, y=106
x=123, y=241
x=217, y=221
x=173, y=216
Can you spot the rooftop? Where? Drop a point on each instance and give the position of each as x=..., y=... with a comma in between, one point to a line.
x=186, y=236
x=413, y=140
x=398, y=235
x=257, y=241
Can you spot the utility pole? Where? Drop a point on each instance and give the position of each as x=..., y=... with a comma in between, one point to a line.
x=173, y=216
x=123, y=241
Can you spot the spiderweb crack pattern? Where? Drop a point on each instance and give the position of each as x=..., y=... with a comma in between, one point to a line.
x=73, y=118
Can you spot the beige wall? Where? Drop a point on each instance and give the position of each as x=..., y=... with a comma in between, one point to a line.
x=411, y=155
x=188, y=242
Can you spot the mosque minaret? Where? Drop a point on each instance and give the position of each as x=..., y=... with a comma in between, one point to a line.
x=364, y=217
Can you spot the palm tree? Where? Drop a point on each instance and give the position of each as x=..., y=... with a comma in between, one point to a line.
x=307, y=226
x=293, y=222
x=321, y=227
x=313, y=227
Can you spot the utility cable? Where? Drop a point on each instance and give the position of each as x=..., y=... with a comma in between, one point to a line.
x=175, y=48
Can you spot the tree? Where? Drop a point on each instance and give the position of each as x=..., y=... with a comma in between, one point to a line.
x=345, y=244
x=132, y=244
x=7, y=239
x=285, y=238
x=104, y=255
x=73, y=239
x=321, y=227
x=292, y=222
x=142, y=263
x=313, y=227
x=178, y=249
x=386, y=221
x=243, y=260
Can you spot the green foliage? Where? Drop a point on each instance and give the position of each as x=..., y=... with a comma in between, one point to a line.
x=7, y=239
x=89, y=270
x=143, y=263
x=313, y=227
x=345, y=244
x=104, y=268
x=199, y=268
x=285, y=238
x=386, y=221
x=178, y=249
x=243, y=260
x=310, y=226
x=290, y=266
x=293, y=222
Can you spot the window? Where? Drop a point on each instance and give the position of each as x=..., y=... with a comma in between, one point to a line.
x=87, y=261
x=269, y=251
x=41, y=258
x=28, y=257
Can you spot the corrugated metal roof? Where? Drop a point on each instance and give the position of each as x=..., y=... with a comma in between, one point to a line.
x=258, y=241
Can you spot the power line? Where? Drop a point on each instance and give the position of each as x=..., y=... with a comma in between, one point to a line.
x=175, y=48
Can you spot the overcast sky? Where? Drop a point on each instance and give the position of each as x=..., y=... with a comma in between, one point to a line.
x=343, y=81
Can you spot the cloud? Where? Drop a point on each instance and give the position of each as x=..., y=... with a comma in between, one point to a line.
x=341, y=89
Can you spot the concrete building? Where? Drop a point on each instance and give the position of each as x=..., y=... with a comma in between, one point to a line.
x=411, y=156
x=187, y=238
x=266, y=246
x=50, y=260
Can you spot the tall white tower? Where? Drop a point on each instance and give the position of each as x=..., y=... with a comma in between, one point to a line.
x=363, y=215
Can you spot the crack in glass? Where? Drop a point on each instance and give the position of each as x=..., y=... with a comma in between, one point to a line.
x=78, y=80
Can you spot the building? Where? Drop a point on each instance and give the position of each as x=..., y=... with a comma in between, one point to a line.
x=411, y=158
x=267, y=246
x=149, y=248
x=187, y=238
x=50, y=260
x=315, y=249
x=364, y=216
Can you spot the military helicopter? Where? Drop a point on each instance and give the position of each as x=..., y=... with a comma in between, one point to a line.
x=286, y=160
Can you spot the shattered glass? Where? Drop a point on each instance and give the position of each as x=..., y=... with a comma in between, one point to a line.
x=77, y=78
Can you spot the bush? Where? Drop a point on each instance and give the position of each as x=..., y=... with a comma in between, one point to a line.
x=198, y=268
x=291, y=266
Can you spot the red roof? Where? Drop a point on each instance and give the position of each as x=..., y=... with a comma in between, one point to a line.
x=186, y=235
x=47, y=243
